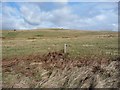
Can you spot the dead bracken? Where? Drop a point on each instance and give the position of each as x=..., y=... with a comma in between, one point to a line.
x=56, y=69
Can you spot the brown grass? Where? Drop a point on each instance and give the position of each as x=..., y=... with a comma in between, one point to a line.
x=41, y=69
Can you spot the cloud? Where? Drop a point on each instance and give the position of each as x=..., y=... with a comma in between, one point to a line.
x=87, y=16
x=11, y=18
x=31, y=15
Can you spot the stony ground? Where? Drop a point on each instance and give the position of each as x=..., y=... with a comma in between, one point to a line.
x=56, y=69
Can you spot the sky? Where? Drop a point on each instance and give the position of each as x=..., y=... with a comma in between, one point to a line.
x=67, y=15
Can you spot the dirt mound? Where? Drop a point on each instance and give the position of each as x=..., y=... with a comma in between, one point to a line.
x=57, y=69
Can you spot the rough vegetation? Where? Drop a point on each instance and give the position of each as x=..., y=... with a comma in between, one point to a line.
x=57, y=70
x=35, y=58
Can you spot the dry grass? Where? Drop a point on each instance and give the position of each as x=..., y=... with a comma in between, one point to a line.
x=35, y=59
x=56, y=69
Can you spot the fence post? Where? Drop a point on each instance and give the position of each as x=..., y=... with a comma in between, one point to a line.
x=65, y=48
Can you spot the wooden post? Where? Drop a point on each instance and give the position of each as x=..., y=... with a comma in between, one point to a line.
x=65, y=48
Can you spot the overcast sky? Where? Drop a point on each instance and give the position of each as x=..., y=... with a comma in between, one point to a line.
x=69, y=15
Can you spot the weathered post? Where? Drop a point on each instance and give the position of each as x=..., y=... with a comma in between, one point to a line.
x=65, y=48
